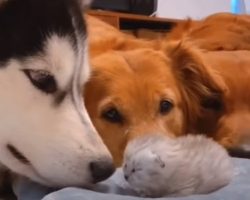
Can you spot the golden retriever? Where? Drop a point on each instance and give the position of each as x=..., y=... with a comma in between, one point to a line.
x=146, y=92
x=174, y=91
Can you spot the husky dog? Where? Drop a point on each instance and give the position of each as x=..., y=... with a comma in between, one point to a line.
x=161, y=166
x=45, y=131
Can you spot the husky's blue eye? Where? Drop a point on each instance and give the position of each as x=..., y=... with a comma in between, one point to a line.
x=42, y=80
x=112, y=115
x=165, y=106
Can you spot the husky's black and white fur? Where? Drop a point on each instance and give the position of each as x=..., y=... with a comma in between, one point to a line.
x=45, y=131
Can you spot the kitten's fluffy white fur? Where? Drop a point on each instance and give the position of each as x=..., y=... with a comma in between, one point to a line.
x=160, y=166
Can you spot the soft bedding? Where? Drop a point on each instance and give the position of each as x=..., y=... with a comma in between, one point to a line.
x=115, y=189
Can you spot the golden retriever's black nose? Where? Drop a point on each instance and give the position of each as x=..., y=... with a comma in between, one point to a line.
x=101, y=170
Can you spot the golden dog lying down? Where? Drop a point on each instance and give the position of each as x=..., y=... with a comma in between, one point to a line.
x=172, y=91
x=146, y=92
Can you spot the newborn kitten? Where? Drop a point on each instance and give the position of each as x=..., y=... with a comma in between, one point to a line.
x=160, y=166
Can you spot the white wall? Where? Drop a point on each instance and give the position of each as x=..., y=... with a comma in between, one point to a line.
x=247, y=3
x=196, y=9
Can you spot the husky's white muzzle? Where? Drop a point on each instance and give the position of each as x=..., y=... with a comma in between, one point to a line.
x=45, y=131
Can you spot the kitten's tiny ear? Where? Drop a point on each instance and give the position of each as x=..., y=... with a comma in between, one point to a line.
x=84, y=3
x=159, y=160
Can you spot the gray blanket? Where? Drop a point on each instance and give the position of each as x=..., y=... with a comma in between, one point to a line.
x=239, y=189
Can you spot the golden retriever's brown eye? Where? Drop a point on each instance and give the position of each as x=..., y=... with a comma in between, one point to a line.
x=112, y=115
x=166, y=106
x=42, y=80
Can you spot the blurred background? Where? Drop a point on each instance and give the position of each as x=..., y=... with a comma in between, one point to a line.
x=177, y=9
x=197, y=9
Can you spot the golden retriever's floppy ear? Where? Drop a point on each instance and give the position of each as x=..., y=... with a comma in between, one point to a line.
x=201, y=86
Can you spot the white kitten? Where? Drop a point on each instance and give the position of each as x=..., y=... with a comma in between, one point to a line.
x=160, y=166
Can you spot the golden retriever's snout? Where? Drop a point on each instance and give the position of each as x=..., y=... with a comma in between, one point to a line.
x=101, y=169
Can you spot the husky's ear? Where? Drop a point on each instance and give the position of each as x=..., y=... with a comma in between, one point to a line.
x=84, y=3
x=199, y=83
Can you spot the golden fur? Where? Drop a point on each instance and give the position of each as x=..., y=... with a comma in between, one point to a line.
x=104, y=37
x=233, y=127
x=222, y=31
x=135, y=82
x=207, y=87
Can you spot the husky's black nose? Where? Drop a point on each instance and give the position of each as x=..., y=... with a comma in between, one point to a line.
x=101, y=169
